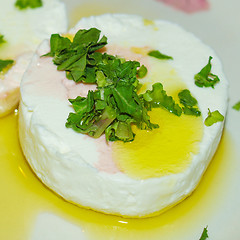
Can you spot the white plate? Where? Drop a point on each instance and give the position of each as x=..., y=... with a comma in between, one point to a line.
x=219, y=28
x=216, y=202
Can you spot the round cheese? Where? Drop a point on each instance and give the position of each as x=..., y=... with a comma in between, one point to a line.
x=89, y=172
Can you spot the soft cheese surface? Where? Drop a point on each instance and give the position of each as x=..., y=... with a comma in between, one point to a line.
x=23, y=31
x=68, y=162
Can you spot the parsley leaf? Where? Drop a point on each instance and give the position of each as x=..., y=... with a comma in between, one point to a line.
x=58, y=44
x=205, y=78
x=142, y=71
x=23, y=4
x=91, y=117
x=2, y=40
x=159, y=55
x=204, y=235
x=157, y=97
x=213, y=117
x=120, y=130
x=5, y=64
x=189, y=103
x=236, y=106
x=78, y=58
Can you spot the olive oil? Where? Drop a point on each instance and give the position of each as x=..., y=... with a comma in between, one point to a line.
x=23, y=197
x=162, y=151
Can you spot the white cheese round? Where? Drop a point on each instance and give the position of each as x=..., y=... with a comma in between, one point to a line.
x=66, y=161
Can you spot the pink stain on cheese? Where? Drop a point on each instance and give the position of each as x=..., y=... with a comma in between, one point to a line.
x=188, y=6
x=128, y=54
x=105, y=162
x=77, y=89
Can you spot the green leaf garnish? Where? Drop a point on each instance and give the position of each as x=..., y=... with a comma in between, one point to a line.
x=157, y=97
x=213, y=117
x=78, y=58
x=205, y=78
x=23, y=4
x=204, y=235
x=115, y=105
x=236, y=106
x=2, y=40
x=189, y=103
x=142, y=71
x=159, y=55
x=5, y=63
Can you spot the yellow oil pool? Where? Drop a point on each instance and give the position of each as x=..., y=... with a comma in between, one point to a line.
x=23, y=197
x=162, y=151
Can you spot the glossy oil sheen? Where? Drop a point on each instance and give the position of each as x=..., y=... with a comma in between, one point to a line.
x=24, y=197
x=162, y=151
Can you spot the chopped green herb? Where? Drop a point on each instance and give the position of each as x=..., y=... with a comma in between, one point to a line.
x=23, y=4
x=157, y=97
x=205, y=78
x=2, y=40
x=115, y=105
x=5, y=63
x=142, y=71
x=186, y=98
x=204, y=235
x=236, y=106
x=213, y=117
x=78, y=58
x=159, y=55
x=189, y=103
